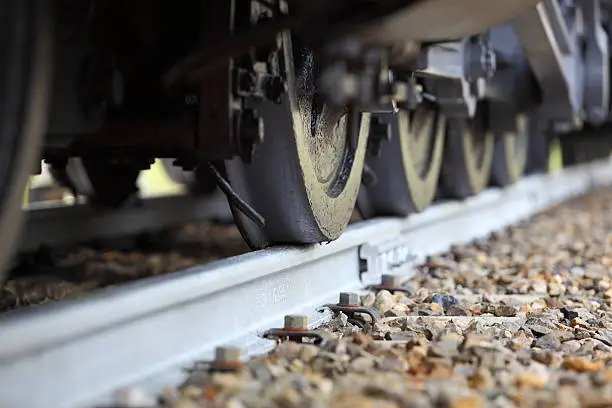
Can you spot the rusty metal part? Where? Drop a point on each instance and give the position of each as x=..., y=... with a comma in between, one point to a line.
x=349, y=304
x=391, y=283
x=227, y=359
x=296, y=329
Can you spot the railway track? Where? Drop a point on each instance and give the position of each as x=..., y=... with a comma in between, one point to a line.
x=47, y=225
x=78, y=353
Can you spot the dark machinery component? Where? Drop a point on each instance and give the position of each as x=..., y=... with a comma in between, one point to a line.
x=198, y=181
x=26, y=35
x=590, y=143
x=296, y=109
x=104, y=181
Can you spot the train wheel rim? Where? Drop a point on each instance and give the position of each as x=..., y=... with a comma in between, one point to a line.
x=295, y=193
x=415, y=150
x=468, y=157
x=510, y=153
x=26, y=38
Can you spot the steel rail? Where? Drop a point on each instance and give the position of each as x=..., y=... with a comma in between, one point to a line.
x=54, y=224
x=76, y=353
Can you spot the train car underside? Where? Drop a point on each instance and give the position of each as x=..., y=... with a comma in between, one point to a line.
x=298, y=109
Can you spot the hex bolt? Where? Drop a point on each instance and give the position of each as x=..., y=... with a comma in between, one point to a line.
x=348, y=299
x=392, y=281
x=296, y=322
x=227, y=354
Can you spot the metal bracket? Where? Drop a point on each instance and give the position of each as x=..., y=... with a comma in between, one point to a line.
x=391, y=256
x=550, y=41
x=513, y=88
x=318, y=336
x=456, y=73
x=353, y=312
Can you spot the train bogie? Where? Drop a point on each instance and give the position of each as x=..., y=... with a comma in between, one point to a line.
x=299, y=110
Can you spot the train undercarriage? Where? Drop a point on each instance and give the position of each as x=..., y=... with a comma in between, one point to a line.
x=298, y=110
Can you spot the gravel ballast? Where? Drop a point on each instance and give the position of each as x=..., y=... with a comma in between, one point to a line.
x=69, y=273
x=522, y=318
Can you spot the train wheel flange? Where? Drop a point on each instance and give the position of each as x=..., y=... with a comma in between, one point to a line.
x=305, y=175
x=510, y=153
x=467, y=156
x=415, y=151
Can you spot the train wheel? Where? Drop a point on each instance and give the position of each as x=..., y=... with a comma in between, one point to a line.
x=585, y=145
x=305, y=175
x=198, y=181
x=25, y=54
x=104, y=183
x=415, y=150
x=467, y=156
x=538, y=154
x=510, y=154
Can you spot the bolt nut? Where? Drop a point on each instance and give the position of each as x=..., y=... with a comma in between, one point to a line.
x=348, y=299
x=227, y=354
x=296, y=322
x=481, y=62
x=390, y=280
